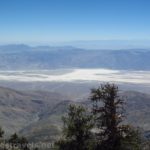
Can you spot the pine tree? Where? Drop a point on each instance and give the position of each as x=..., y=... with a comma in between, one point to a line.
x=1, y=132
x=77, y=130
x=14, y=140
x=23, y=142
x=108, y=111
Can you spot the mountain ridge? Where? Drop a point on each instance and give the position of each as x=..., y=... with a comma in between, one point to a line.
x=17, y=57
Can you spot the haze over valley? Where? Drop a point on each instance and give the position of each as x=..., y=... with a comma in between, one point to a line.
x=56, y=68
x=66, y=65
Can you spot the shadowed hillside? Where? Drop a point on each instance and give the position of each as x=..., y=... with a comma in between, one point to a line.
x=37, y=114
x=18, y=108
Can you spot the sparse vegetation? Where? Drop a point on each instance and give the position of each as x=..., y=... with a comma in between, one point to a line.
x=76, y=130
x=100, y=127
x=112, y=134
x=109, y=131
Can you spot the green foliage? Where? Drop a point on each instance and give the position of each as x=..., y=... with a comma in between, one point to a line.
x=108, y=111
x=1, y=132
x=14, y=140
x=23, y=143
x=77, y=130
x=18, y=142
x=131, y=138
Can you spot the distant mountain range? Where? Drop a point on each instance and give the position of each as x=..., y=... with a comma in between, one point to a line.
x=23, y=57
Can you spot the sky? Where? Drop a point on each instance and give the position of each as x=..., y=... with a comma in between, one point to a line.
x=44, y=21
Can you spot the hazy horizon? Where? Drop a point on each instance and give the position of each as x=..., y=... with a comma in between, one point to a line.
x=91, y=44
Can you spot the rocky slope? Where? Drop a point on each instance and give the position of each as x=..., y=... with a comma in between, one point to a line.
x=37, y=114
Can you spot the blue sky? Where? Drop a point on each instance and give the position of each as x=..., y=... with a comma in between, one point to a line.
x=37, y=21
